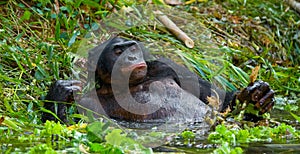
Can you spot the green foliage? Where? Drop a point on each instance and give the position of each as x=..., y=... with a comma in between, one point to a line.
x=122, y=141
x=115, y=140
x=107, y=148
x=235, y=136
x=290, y=105
x=295, y=116
x=96, y=131
x=26, y=15
x=38, y=138
x=227, y=149
x=12, y=124
x=54, y=128
x=187, y=136
x=42, y=148
x=98, y=138
x=228, y=137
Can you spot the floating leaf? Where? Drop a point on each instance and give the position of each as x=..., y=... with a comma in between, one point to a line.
x=115, y=137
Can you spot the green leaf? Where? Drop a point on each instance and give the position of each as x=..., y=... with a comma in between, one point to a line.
x=77, y=3
x=42, y=148
x=96, y=147
x=26, y=15
x=19, y=36
x=38, y=75
x=64, y=8
x=295, y=116
x=18, y=62
x=115, y=137
x=57, y=30
x=42, y=71
x=11, y=124
x=50, y=112
x=94, y=131
x=106, y=148
x=21, y=5
x=91, y=3
x=73, y=38
x=188, y=135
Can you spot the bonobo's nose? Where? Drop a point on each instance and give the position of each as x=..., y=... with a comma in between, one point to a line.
x=132, y=58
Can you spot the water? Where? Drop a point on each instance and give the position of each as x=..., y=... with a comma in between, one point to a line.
x=285, y=145
x=177, y=144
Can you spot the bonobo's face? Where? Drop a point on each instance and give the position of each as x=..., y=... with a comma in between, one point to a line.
x=126, y=58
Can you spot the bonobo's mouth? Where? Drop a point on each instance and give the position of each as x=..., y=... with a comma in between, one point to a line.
x=132, y=68
x=140, y=66
x=137, y=71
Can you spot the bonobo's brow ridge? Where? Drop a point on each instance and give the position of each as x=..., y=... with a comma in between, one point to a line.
x=124, y=44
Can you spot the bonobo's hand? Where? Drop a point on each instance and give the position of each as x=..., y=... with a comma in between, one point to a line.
x=258, y=93
x=61, y=91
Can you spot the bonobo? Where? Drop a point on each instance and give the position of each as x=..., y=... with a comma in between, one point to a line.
x=133, y=88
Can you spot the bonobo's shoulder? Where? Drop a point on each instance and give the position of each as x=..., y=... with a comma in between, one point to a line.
x=161, y=63
x=165, y=64
x=160, y=60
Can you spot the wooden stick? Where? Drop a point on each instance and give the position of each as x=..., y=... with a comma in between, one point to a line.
x=171, y=26
x=294, y=4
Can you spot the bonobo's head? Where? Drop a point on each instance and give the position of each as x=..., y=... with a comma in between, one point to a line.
x=125, y=57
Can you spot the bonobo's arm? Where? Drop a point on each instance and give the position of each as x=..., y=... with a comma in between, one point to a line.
x=258, y=93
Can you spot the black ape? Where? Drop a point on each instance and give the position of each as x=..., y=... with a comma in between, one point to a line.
x=133, y=89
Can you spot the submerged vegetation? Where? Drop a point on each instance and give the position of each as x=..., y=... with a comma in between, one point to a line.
x=38, y=40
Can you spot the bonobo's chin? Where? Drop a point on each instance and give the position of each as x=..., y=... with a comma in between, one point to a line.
x=137, y=76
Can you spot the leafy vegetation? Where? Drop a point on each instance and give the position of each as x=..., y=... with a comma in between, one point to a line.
x=237, y=136
x=38, y=40
x=55, y=138
x=258, y=133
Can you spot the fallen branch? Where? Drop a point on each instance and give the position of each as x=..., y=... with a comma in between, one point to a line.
x=294, y=4
x=171, y=26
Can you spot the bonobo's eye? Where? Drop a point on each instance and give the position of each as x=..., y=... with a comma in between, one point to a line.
x=118, y=51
